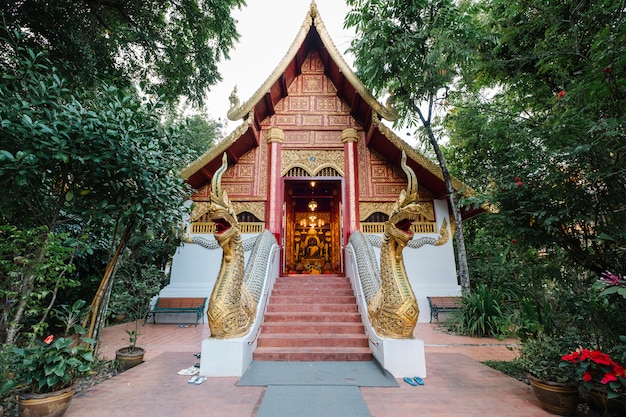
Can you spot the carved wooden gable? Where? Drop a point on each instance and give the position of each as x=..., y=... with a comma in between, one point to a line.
x=311, y=116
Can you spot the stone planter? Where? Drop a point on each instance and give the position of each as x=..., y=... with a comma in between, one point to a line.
x=51, y=404
x=127, y=360
x=556, y=398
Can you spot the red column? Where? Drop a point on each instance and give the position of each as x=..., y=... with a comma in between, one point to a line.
x=351, y=197
x=274, y=209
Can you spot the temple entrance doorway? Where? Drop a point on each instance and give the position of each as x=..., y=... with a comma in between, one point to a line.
x=313, y=226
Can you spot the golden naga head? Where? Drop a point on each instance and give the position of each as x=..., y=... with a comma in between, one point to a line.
x=405, y=210
x=221, y=211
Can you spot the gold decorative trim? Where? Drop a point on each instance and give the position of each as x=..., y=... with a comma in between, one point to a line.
x=349, y=135
x=275, y=134
x=366, y=209
x=312, y=18
x=312, y=161
x=255, y=207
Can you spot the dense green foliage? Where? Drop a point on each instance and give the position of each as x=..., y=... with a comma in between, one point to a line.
x=172, y=45
x=76, y=167
x=412, y=52
x=530, y=98
x=546, y=147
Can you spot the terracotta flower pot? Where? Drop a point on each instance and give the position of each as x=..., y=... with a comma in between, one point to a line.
x=127, y=360
x=50, y=404
x=556, y=398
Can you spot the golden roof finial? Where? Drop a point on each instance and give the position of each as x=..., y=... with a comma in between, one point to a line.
x=313, y=9
x=234, y=100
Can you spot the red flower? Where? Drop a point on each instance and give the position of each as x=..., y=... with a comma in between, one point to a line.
x=48, y=339
x=600, y=358
x=619, y=370
x=587, y=377
x=517, y=179
x=513, y=241
x=572, y=357
x=561, y=94
x=608, y=377
x=607, y=70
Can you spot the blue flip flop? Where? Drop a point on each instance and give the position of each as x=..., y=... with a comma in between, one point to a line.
x=418, y=380
x=410, y=381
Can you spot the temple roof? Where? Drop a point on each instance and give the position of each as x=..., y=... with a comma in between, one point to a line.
x=313, y=36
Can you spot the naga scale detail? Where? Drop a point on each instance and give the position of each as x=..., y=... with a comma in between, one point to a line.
x=393, y=310
x=231, y=308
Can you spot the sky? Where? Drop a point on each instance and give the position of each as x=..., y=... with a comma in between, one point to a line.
x=267, y=29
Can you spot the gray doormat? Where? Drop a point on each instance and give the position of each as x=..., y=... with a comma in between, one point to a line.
x=362, y=374
x=313, y=401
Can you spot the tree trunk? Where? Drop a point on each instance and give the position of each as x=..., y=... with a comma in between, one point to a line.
x=97, y=306
x=456, y=213
x=28, y=284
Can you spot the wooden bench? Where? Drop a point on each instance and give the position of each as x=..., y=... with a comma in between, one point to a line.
x=442, y=305
x=178, y=305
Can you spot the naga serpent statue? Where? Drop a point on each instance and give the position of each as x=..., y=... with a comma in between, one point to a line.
x=231, y=307
x=393, y=310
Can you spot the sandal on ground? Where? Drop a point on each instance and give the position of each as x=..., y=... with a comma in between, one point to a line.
x=200, y=380
x=189, y=371
x=410, y=381
x=193, y=379
x=418, y=380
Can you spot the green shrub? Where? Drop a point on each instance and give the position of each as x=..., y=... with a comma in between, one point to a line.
x=482, y=314
x=541, y=357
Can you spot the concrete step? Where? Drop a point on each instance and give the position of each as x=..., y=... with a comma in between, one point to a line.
x=310, y=292
x=313, y=317
x=316, y=328
x=312, y=340
x=313, y=354
x=312, y=308
x=321, y=299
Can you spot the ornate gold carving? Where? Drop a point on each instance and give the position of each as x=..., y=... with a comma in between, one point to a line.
x=255, y=207
x=231, y=308
x=312, y=161
x=367, y=209
x=444, y=236
x=199, y=208
x=349, y=135
x=393, y=310
x=275, y=134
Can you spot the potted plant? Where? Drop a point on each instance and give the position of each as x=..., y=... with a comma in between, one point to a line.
x=603, y=379
x=137, y=284
x=554, y=386
x=45, y=374
x=131, y=355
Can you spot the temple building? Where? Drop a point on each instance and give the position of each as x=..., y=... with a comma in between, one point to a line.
x=312, y=162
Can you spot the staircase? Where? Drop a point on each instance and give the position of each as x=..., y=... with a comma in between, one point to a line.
x=312, y=318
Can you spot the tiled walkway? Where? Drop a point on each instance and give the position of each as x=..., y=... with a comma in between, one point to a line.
x=457, y=384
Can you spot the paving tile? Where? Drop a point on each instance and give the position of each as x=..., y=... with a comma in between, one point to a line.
x=457, y=384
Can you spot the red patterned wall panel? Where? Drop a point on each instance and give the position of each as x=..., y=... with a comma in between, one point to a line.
x=311, y=116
